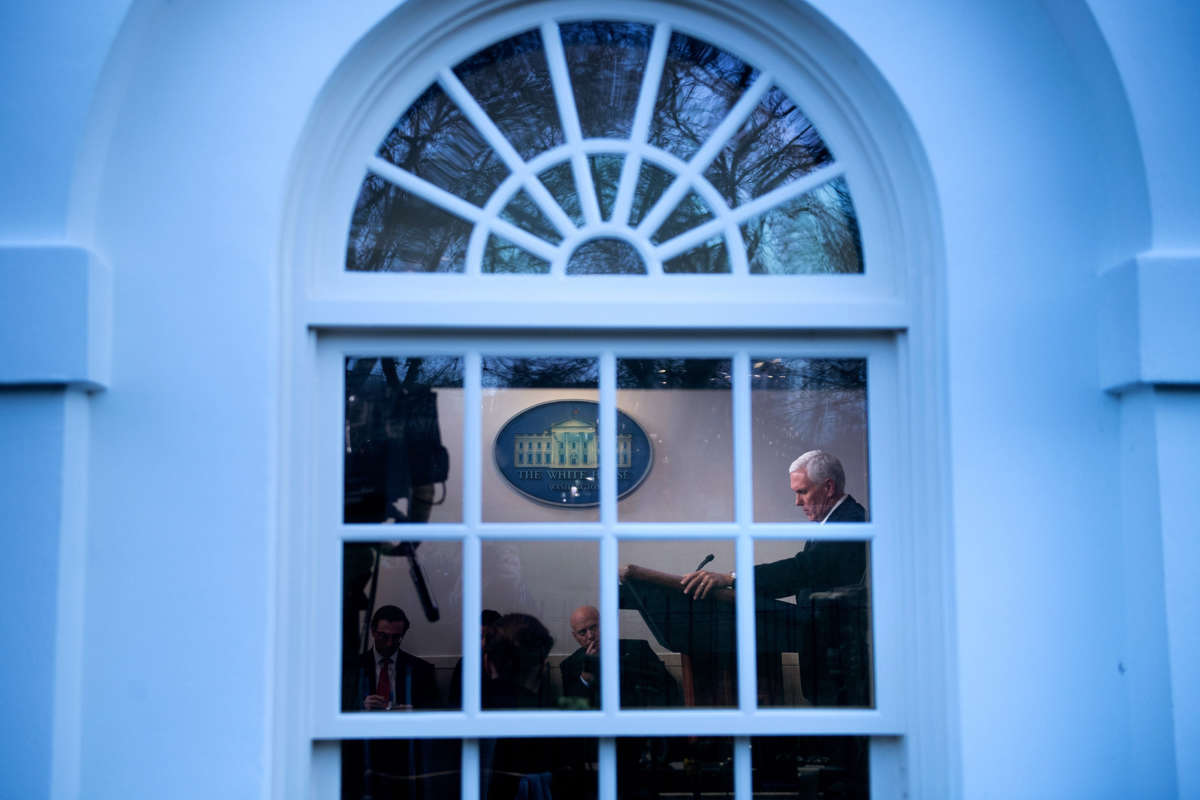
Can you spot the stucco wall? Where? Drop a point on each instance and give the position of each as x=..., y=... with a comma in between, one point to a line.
x=180, y=183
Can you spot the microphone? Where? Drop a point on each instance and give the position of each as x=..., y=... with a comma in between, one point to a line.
x=704, y=561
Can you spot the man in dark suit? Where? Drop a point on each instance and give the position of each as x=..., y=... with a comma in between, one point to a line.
x=645, y=681
x=819, y=483
x=389, y=679
x=829, y=581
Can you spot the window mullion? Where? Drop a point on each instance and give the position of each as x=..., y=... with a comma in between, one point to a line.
x=609, y=632
x=743, y=777
x=744, y=513
x=472, y=549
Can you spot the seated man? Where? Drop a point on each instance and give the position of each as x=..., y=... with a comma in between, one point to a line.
x=645, y=681
x=389, y=679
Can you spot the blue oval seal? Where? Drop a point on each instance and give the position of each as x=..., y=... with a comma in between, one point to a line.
x=549, y=452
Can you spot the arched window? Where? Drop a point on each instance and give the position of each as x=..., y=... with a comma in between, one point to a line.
x=577, y=289
x=598, y=148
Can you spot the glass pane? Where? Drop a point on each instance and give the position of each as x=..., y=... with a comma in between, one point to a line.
x=707, y=259
x=403, y=439
x=502, y=256
x=813, y=234
x=511, y=81
x=652, y=182
x=700, y=84
x=606, y=174
x=524, y=213
x=694, y=638
x=605, y=257
x=810, y=767
x=401, y=769
x=776, y=145
x=538, y=768
x=395, y=231
x=814, y=647
x=606, y=61
x=658, y=768
x=685, y=407
x=539, y=426
x=691, y=211
x=806, y=404
x=543, y=590
x=559, y=180
x=434, y=140
x=401, y=625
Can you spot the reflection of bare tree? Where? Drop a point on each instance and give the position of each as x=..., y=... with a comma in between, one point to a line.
x=776, y=145
x=512, y=83
x=674, y=373
x=395, y=231
x=700, y=85
x=504, y=372
x=606, y=61
x=691, y=211
x=606, y=257
x=825, y=400
x=815, y=233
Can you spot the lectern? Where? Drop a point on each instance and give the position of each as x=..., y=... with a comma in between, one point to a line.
x=703, y=632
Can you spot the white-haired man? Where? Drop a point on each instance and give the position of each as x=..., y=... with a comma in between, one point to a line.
x=819, y=483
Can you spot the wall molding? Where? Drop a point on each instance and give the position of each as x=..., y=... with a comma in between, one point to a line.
x=1150, y=321
x=55, y=317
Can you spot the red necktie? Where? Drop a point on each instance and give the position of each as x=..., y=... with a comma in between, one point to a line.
x=383, y=686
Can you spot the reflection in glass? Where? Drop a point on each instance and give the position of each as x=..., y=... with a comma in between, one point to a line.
x=684, y=405
x=434, y=140
x=401, y=769
x=401, y=625
x=709, y=258
x=812, y=234
x=802, y=404
x=691, y=211
x=814, y=649
x=606, y=61
x=606, y=174
x=395, y=456
x=652, y=182
x=538, y=768
x=540, y=426
x=501, y=256
x=700, y=84
x=776, y=145
x=559, y=180
x=694, y=639
x=511, y=81
x=395, y=231
x=524, y=213
x=657, y=768
x=605, y=257
x=810, y=767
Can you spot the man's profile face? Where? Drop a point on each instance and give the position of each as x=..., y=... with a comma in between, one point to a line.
x=386, y=636
x=585, y=627
x=815, y=498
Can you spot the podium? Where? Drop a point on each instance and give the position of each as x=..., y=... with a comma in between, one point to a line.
x=703, y=632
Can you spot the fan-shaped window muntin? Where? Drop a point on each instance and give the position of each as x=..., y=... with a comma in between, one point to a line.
x=489, y=170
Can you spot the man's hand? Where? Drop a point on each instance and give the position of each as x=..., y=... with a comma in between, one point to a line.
x=699, y=583
x=593, y=647
x=375, y=702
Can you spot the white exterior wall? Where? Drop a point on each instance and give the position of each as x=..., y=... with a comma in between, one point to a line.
x=1058, y=147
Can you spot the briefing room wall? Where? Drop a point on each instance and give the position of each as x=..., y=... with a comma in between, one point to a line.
x=188, y=190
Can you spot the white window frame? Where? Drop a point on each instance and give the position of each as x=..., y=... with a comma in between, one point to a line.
x=890, y=315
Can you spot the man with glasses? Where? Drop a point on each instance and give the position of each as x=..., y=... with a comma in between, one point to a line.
x=389, y=678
